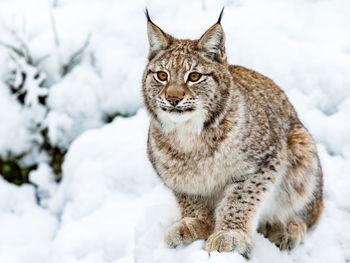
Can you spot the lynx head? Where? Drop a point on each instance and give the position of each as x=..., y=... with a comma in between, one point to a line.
x=187, y=83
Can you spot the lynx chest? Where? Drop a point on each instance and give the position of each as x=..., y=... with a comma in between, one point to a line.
x=192, y=164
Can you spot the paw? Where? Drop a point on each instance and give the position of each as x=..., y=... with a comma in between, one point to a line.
x=230, y=240
x=285, y=236
x=186, y=230
x=295, y=234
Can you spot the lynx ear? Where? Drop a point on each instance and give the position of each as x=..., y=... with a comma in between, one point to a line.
x=158, y=40
x=212, y=42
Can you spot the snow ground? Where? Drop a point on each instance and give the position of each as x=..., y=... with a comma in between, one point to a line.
x=110, y=205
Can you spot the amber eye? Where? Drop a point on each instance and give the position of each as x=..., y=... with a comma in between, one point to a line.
x=162, y=76
x=194, y=76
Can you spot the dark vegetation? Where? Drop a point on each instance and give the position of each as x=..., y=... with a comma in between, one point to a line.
x=12, y=167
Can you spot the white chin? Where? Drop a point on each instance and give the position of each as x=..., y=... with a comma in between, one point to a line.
x=179, y=117
x=187, y=121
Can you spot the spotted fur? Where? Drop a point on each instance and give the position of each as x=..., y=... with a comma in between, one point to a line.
x=232, y=150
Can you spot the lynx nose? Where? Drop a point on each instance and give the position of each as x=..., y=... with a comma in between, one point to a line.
x=173, y=100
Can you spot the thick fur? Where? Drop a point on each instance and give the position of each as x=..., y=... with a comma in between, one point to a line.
x=233, y=150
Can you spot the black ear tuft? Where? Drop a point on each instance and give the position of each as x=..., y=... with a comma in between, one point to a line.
x=222, y=12
x=147, y=16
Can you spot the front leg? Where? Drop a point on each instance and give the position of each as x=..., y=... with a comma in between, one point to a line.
x=196, y=221
x=236, y=214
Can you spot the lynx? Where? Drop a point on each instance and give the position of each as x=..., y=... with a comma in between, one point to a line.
x=229, y=144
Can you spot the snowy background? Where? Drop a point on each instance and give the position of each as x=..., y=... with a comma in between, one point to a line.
x=84, y=60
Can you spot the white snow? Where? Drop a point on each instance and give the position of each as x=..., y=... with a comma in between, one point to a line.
x=110, y=205
x=26, y=228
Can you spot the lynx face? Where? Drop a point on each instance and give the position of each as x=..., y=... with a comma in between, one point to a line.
x=186, y=82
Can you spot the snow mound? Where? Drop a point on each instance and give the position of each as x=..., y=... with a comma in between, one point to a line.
x=107, y=176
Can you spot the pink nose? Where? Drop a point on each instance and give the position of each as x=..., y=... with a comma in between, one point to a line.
x=173, y=100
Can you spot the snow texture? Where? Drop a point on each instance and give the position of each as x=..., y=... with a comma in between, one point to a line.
x=110, y=205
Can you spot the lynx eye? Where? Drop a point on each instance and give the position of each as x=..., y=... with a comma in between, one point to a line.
x=194, y=76
x=162, y=76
